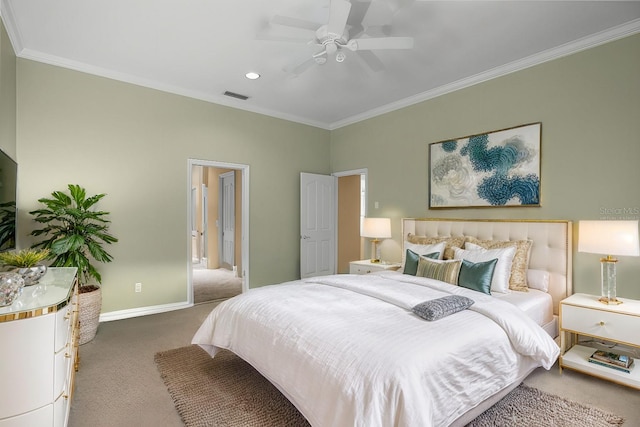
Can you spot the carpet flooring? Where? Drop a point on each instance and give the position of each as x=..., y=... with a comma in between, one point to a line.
x=214, y=284
x=226, y=391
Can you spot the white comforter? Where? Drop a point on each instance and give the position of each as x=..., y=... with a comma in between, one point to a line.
x=348, y=351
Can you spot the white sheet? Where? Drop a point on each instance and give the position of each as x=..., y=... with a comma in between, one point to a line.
x=347, y=351
x=536, y=304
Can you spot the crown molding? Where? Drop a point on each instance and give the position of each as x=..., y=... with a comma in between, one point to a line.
x=612, y=34
x=8, y=17
x=615, y=33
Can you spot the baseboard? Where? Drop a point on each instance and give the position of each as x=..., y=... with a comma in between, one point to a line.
x=142, y=311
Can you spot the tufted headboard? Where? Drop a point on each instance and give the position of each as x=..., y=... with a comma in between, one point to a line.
x=551, y=250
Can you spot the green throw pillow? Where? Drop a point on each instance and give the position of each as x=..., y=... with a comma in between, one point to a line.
x=477, y=276
x=411, y=261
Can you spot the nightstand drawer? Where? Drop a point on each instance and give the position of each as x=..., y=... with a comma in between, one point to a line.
x=601, y=323
x=361, y=269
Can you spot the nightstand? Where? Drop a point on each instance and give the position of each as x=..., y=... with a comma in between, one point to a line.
x=583, y=315
x=366, y=266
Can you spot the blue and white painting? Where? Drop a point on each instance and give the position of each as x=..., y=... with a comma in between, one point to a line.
x=500, y=168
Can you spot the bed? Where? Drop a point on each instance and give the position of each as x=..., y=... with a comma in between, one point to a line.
x=351, y=350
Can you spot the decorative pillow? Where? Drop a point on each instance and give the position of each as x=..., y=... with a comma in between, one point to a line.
x=441, y=307
x=411, y=261
x=445, y=271
x=538, y=279
x=423, y=249
x=478, y=275
x=450, y=243
x=518, y=279
x=502, y=271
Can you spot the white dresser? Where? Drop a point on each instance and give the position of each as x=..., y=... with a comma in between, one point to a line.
x=583, y=315
x=39, y=353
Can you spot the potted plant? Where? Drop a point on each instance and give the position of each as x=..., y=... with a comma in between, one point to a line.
x=7, y=225
x=26, y=263
x=74, y=234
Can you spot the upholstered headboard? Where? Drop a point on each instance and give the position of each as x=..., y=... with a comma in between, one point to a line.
x=551, y=250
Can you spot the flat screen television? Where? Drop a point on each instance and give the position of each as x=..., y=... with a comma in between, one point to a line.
x=8, y=190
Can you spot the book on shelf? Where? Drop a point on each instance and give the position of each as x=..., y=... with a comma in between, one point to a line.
x=620, y=362
x=615, y=358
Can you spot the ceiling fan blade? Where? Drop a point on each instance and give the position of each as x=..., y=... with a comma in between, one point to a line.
x=272, y=38
x=294, y=23
x=380, y=43
x=338, y=15
x=300, y=68
x=371, y=59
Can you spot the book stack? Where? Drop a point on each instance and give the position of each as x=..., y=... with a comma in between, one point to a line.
x=612, y=360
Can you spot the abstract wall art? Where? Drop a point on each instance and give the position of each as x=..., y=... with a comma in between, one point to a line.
x=499, y=168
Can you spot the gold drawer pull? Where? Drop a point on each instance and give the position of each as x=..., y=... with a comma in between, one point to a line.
x=601, y=323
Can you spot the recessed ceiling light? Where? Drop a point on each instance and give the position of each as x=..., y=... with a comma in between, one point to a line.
x=252, y=76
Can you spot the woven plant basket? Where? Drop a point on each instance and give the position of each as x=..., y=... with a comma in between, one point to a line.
x=90, y=304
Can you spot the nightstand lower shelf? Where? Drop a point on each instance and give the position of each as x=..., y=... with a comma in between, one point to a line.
x=577, y=358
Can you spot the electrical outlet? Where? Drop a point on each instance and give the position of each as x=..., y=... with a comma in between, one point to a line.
x=138, y=287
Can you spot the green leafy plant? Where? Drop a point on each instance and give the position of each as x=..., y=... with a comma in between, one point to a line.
x=24, y=258
x=7, y=225
x=75, y=232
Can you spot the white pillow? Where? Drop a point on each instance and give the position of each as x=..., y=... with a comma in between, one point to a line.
x=538, y=279
x=423, y=249
x=502, y=272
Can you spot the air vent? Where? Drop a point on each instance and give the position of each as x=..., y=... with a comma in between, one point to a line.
x=236, y=95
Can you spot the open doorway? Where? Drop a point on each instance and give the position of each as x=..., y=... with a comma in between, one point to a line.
x=352, y=202
x=218, y=221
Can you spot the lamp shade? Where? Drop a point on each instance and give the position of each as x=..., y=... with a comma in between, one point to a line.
x=377, y=228
x=609, y=237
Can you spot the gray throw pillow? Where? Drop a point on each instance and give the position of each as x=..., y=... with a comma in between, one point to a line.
x=441, y=307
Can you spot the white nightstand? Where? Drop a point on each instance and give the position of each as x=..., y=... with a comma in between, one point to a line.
x=366, y=266
x=584, y=315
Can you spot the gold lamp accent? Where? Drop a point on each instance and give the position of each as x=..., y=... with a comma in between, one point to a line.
x=610, y=238
x=375, y=229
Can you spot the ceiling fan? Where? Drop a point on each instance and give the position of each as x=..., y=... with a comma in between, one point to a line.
x=333, y=38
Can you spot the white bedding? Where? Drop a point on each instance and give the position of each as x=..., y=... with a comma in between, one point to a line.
x=536, y=304
x=347, y=350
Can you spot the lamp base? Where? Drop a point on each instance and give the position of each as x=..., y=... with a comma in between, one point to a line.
x=610, y=301
x=608, y=281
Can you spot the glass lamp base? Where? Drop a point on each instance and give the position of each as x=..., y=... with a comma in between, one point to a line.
x=608, y=273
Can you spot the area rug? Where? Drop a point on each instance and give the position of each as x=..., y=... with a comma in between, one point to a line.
x=227, y=391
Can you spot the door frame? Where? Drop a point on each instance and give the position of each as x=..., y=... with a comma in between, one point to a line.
x=244, y=239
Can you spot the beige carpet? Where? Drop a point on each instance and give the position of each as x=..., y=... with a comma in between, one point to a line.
x=226, y=391
x=214, y=284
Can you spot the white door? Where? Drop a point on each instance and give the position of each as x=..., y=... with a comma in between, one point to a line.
x=317, y=225
x=228, y=184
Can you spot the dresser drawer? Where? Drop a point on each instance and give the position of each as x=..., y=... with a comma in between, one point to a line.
x=63, y=327
x=601, y=323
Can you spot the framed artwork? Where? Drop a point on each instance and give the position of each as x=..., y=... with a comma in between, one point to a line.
x=499, y=168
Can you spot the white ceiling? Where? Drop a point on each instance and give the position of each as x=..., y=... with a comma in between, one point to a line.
x=202, y=48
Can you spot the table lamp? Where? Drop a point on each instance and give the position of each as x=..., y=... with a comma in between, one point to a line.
x=376, y=228
x=608, y=238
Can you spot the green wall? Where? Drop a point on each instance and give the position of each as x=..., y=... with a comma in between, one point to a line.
x=589, y=106
x=7, y=94
x=134, y=144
